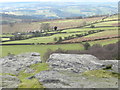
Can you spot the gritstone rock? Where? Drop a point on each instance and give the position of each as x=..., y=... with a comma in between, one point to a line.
x=12, y=65
x=65, y=72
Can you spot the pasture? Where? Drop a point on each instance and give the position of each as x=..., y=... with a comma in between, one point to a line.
x=18, y=49
x=89, y=29
x=46, y=39
x=110, y=23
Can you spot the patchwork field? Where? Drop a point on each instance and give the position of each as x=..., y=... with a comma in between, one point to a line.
x=61, y=24
x=109, y=30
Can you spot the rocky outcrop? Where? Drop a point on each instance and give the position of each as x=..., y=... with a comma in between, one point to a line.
x=66, y=72
x=9, y=81
x=12, y=65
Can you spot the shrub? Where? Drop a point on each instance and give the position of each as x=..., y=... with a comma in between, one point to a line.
x=86, y=46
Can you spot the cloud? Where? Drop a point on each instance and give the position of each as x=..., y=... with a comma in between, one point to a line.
x=60, y=0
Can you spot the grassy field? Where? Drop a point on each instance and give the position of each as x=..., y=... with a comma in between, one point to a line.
x=45, y=39
x=110, y=23
x=7, y=35
x=88, y=29
x=112, y=17
x=18, y=49
x=104, y=42
x=104, y=34
x=4, y=39
x=110, y=31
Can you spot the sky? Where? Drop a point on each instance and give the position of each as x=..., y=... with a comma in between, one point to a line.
x=60, y=0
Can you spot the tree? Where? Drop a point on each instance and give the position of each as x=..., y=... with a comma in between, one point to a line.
x=86, y=46
x=45, y=27
x=92, y=26
x=60, y=39
x=55, y=28
x=55, y=39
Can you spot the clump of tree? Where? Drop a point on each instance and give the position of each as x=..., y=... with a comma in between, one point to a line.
x=58, y=40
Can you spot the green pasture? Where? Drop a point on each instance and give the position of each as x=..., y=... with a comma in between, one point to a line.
x=18, y=49
x=88, y=29
x=110, y=23
x=45, y=39
x=112, y=17
x=7, y=35
x=104, y=33
x=4, y=39
x=104, y=42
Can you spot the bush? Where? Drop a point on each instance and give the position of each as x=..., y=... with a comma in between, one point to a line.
x=86, y=46
x=92, y=26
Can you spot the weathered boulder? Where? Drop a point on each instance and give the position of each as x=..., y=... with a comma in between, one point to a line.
x=12, y=65
x=66, y=72
x=76, y=63
x=9, y=81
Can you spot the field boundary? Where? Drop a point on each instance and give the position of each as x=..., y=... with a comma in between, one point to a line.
x=59, y=42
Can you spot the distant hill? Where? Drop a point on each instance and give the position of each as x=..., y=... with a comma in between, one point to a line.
x=53, y=10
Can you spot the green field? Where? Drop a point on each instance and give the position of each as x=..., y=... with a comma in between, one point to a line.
x=112, y=17
x=88, y=29
x=18, y=49
x=104, y=33
x=104, y=42
x=7, y=35
x=110, y=23
x=45, y=39
x=4, y=39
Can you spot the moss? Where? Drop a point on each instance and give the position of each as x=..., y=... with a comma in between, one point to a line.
x=101, y=74
x=33, y=83
x=7, y=74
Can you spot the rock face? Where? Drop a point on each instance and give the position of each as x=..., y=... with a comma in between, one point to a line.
x=14, y=64
x=66, y=72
